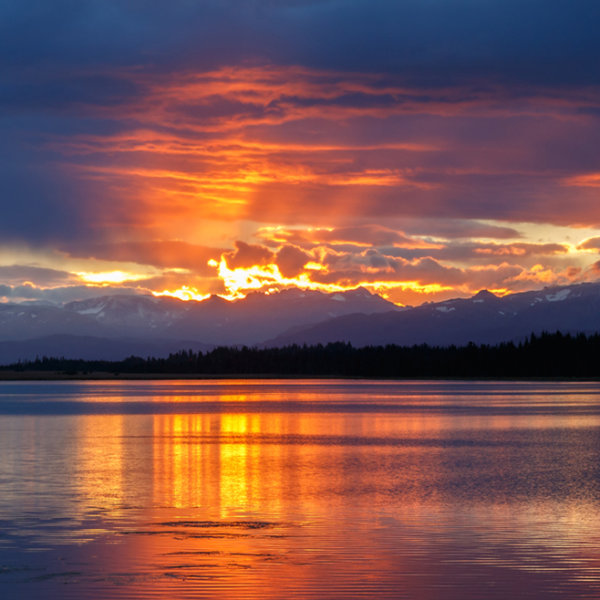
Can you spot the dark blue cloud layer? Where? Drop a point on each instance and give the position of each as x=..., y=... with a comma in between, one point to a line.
x=433, y=41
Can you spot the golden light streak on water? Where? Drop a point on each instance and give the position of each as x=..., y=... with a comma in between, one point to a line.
x=100, y=470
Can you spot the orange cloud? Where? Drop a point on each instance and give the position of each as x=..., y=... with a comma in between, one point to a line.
x=163, y=254
x=590, y=244
x=292, y=261
x=254, y=267
x=248, y=255
x=343, y=179
x=359, y=235
x=298, y=146
x=591, y=180
x=519, y=249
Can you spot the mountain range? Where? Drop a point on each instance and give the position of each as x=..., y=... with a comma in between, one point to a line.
x=114, y=327
x=482, y=319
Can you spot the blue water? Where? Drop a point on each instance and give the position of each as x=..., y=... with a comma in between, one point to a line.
x=299, y=489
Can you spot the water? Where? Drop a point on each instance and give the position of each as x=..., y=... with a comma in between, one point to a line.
x=299, y=489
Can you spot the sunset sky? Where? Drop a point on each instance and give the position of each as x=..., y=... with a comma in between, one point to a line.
x=424, y=149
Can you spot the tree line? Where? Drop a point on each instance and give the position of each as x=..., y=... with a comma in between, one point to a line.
x=544, y=355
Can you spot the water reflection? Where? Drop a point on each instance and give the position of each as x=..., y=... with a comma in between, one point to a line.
x=487, y=497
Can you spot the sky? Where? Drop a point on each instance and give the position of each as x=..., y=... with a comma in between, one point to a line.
x=423, y=149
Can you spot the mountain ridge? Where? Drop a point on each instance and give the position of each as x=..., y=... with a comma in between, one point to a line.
x=105, y=327
x=150, y=319
x=483, y=318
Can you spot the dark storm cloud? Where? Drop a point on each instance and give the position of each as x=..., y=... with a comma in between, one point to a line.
x=432, y=41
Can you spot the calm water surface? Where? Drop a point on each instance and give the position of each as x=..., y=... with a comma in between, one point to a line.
x=299, y=489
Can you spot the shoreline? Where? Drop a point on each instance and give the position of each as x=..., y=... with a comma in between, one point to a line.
x=107, y=376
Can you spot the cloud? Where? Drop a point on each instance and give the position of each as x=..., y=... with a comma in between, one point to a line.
x=61, y=294
x=38, y=275
x=432, y=43
x=359, y=235
x=162, y=153
x=163, y=254
x=291, y=260
x=394, y=243
x=590, y=244
x=481, y=252
x=442, y=270
x=247, y=255
x=456, y=229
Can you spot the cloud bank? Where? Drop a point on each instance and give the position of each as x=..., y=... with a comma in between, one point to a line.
x=424, y=148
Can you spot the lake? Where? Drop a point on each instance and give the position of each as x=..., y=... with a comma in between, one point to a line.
x=299, y=489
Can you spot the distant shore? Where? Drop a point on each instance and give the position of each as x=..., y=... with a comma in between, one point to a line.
x=104, y=376
x=59, y=376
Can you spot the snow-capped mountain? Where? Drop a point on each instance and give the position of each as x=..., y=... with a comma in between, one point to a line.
x=25, y=321
x=259, y=317
x=217, y=321
x=135, y=320
x=129, y=315
x=484, y=318
x=113, y=326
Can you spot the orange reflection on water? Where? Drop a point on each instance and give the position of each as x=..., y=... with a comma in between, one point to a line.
x=178, y=466
x=217, y=461
x=280, y=463
x=276, y=489
x=100, y=469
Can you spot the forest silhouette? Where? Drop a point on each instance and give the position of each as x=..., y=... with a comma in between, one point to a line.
x=545, y=355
